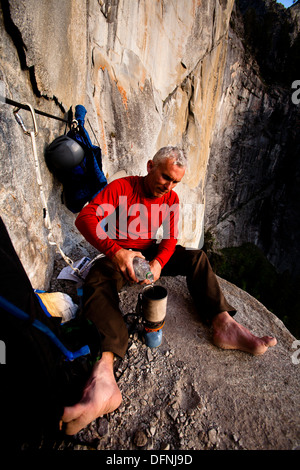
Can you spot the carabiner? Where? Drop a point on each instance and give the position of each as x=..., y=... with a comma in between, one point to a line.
x=21, y=123
x=74, y=125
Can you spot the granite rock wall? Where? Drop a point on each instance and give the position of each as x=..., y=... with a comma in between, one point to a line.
x=252, y=185
x=149, y=74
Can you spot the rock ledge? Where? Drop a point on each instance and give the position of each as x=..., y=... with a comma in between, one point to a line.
x=189, y=395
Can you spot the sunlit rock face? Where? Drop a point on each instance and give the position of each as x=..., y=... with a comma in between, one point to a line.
x=149, y=74
x=157, y=71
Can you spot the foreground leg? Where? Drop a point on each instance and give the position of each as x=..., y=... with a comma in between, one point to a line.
x=228, y=334
x=101, y=306
x=101, y=395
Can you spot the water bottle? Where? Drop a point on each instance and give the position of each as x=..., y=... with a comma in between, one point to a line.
x=142, y=269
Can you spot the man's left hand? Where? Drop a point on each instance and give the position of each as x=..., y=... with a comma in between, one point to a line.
x=155, y=267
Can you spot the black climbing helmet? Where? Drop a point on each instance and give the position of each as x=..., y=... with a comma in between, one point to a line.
x=64, y=153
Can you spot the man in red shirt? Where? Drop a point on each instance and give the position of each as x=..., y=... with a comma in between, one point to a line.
x=121, y=222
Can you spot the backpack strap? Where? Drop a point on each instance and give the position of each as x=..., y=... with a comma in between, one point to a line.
x=17, y=312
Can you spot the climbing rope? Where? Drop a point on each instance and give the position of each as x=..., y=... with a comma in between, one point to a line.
x=33, y=134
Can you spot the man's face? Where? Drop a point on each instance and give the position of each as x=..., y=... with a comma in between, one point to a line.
x=163, y=177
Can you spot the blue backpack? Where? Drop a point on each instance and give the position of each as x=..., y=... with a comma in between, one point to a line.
x=82, y=182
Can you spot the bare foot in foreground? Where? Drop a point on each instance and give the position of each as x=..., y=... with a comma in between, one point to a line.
x=228, y=334
x=101, y=395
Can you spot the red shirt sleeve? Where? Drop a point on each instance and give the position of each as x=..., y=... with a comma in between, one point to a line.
x=89, y=219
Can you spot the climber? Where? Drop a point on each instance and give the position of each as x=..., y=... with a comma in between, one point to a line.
x=110, y=273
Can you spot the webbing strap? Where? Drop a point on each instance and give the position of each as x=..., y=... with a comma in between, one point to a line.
x=46, y=216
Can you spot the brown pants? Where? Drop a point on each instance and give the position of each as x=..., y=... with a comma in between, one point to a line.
x=101, y=300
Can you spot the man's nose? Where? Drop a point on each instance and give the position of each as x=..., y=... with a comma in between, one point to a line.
x=168, y=185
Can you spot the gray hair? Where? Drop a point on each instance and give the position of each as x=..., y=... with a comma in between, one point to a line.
x=173, y=153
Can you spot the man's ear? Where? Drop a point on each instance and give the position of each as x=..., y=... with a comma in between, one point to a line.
x=150, y=165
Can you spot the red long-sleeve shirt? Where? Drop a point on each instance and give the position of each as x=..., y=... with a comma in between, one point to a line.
x=122, y=216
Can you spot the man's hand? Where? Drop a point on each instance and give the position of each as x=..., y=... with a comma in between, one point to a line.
x=123, y=261
x=155, y=267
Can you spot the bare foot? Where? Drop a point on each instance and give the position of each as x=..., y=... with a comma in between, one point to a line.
x=100, y=396
x=228, y=334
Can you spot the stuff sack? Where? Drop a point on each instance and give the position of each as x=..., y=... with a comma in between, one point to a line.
x=81, y=175
x=37, y=380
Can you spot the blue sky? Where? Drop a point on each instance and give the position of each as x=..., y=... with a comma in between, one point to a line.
x=286, y=3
